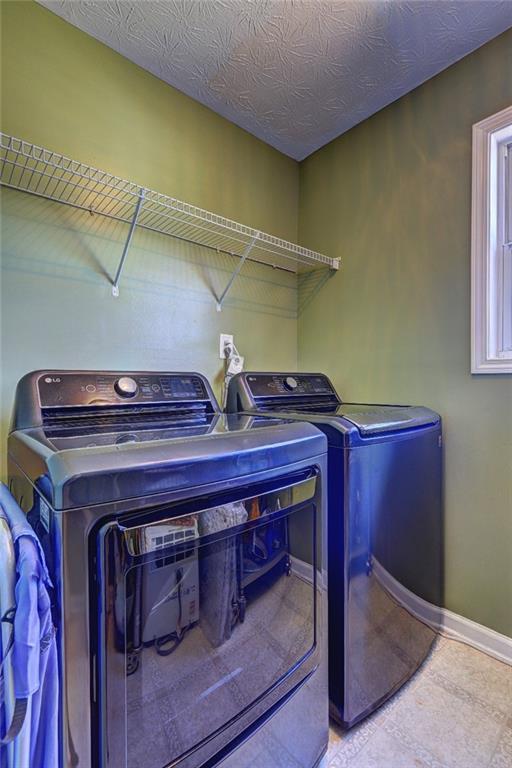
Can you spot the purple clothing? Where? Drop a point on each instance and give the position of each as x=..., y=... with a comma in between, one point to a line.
x=34, y=653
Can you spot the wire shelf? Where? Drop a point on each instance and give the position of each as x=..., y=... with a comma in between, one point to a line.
x=29, y=168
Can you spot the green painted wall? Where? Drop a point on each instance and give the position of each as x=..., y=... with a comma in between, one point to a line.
x=392, y=198
x=64, y=90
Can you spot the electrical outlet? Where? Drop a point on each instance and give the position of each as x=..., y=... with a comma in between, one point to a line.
x=226, y=340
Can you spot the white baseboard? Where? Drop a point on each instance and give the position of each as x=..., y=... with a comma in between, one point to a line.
x=442, y=620
x=302, y=569
x=446, y=622
x=305, y=572
x=484, y=639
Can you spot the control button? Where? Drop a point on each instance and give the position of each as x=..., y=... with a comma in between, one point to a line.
x=155, y=388
x=126, y=386
x=290, y=383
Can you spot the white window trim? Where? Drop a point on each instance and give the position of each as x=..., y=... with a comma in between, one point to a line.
x=487, y=354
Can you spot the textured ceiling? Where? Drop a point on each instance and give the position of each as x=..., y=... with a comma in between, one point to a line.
x=295, y=73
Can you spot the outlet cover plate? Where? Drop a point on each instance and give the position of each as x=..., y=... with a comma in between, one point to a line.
x=225, y=340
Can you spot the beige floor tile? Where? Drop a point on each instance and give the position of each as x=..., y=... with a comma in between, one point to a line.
x=336, y=735
x=483, y=677
x=439, y=643
x=502, y=757
x=458, y=733
x=385, y=750
x=345, y=745
x=456, y=712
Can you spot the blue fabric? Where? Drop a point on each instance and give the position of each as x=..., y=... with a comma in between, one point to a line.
x=7, y=582
x=35, y=662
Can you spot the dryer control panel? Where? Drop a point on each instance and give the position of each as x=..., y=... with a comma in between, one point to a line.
x=95, y=388
x=79, y=397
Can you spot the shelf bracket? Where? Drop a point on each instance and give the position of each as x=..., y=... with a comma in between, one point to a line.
x=235, y=274
x=115, y=284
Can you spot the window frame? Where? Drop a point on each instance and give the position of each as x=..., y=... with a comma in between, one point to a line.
x=491, y=258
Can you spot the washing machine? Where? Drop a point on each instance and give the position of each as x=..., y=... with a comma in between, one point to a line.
x=187, y=550
x=385, y=543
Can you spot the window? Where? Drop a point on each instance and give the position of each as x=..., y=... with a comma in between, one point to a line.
x=491, y=245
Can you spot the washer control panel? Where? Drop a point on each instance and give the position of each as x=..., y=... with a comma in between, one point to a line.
x=288, y=384
x=86, y=389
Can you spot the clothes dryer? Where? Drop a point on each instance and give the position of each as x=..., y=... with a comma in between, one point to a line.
x=188, y=553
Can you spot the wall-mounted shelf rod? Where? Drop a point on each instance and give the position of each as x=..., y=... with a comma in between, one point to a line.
x=29, y=168
x=235, y=274
x=115, y=284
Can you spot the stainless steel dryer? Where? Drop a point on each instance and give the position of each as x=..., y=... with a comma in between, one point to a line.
x=187, y=550
x=385, y=530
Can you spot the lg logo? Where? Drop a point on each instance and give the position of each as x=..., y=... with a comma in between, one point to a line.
x=52, y=380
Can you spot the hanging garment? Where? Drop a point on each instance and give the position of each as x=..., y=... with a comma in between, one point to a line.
x=7, y=604
x=33, y=656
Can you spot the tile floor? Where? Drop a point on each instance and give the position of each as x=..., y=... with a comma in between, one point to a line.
x=456, y=712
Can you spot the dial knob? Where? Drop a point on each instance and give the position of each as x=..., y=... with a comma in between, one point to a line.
x=290, y=383
x=126, y=387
